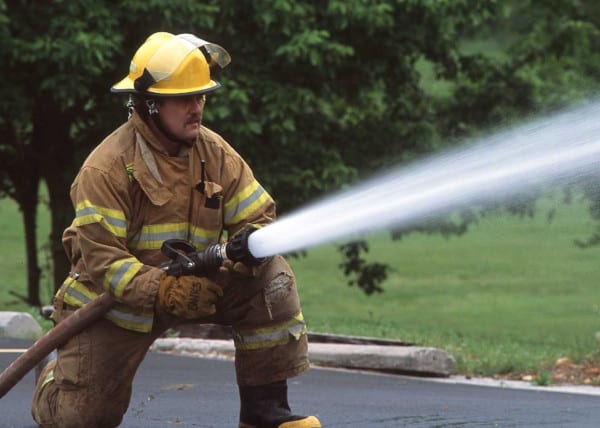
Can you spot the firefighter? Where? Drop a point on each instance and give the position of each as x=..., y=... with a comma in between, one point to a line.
x=164, y=175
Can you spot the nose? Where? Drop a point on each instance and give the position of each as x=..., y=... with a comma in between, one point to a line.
x=198, y=101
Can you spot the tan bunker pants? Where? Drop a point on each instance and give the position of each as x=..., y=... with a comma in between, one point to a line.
x=90, y=382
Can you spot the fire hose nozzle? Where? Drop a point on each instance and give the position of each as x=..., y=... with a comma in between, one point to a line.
x=187, y=260
x=237, y=248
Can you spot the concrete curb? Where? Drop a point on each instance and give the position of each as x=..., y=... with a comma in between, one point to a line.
x=341, y=351
x=361, y=354
x=19, y=325
x=395, y=359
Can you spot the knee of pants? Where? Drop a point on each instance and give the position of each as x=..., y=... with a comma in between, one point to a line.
x=91, y=414
x=279, y=297
x=62, y=409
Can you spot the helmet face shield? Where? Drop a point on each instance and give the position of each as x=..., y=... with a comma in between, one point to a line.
x=169, y=65
x=215, y=55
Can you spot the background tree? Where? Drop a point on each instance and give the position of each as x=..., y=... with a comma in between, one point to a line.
x=318, y=96
x=58, y=60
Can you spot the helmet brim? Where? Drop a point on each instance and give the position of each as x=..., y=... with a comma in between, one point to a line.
x=127, y=86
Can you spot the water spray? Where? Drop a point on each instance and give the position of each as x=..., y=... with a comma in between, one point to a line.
x=553, y=150
x=557, y=149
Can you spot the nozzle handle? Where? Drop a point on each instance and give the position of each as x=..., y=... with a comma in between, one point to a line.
x=186, y=260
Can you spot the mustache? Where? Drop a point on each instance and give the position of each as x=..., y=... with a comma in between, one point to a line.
x=193, y=119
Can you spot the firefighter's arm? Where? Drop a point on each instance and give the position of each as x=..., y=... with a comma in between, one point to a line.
x=246, y=204
x=101, y=225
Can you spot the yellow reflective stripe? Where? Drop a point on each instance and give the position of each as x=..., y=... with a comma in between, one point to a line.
x=123, y=316
x=245, y=203
x=112, y=220
x=129, y=168
x=267, y=337
x=202, y=238
x=151, y=237
x=49, y=378
x=119, y=274
x=78, y=295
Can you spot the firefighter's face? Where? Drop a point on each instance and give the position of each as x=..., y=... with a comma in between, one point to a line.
x=182, y=116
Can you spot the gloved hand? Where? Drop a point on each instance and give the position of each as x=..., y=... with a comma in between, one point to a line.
x=238, y=269
x=187, y=297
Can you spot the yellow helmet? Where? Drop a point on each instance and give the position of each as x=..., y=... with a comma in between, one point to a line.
x=172, y=65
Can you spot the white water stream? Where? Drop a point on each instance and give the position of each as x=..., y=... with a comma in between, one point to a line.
x=551, y=150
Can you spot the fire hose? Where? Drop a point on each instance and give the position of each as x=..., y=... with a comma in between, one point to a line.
x=185, y=260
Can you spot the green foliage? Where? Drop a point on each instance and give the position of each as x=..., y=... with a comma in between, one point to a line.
x=550, y=60
x=330, y=93
x=544, y=378
x=368, y=275
x=63, y=46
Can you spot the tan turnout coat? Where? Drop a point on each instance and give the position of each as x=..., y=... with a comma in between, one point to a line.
x=131, y=188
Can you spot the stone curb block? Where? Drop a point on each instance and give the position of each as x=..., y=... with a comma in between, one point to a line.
x=19, y=325
x=195, y=347
x=401, y=359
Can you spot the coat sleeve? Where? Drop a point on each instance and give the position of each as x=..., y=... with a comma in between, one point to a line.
x=102, y=210
x=245, y=200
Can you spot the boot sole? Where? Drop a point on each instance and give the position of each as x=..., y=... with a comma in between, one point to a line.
x=308, y=422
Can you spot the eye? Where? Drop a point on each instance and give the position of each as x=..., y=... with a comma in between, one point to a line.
x=197, y=99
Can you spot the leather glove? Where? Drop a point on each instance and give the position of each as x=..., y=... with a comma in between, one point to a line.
x=187, y=297
x=238, y=269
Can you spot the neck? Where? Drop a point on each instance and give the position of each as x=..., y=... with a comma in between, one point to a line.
x=169, y=143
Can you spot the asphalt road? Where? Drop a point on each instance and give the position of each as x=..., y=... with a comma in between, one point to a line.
x=173, y=391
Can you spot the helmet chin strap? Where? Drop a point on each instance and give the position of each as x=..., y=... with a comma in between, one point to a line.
x=155, y=118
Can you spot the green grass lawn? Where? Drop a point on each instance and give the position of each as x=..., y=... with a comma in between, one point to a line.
x=512, y=295
x=13, y=260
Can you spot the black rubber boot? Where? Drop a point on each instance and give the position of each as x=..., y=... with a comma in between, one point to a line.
x=266, y=406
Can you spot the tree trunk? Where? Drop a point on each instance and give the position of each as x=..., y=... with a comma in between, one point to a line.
x=23, y=170
x=29, y=210
x=55, y=148
x=58, y=191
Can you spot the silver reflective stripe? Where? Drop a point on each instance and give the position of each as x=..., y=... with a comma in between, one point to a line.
x=125, y=270
x=138, y=322
x=142, y=322
x=246, y=202
x=151, y=237
x=269, y=337
x=117, y=222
